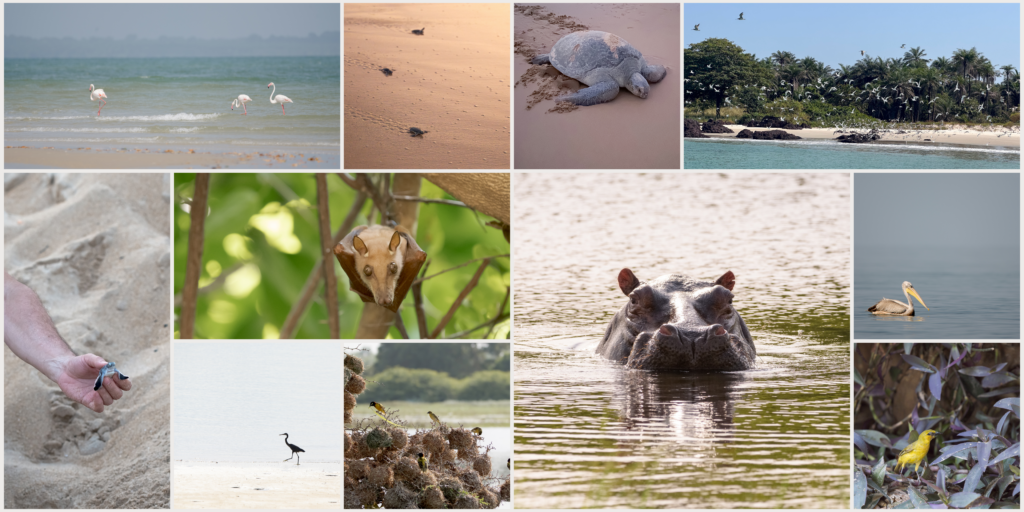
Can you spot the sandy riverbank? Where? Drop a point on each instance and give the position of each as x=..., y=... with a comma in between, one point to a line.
x=96, y=249
x=452, y=82
x=89, y=158
x=962, y=135
x=257, y=485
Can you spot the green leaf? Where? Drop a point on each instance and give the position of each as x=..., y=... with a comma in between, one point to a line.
x=962, y=499
x=860, y=489
x=976, y=371
x=954, y=450
x=878, y=472
x=1000, y=391
x=997, y=379
x=916, y=363
x=1007, y=403
x=1012, y=451
x=875, y=438
x=917, y=499
x=974, y=475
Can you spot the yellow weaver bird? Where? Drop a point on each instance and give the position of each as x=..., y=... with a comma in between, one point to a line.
x=378, y=406
x=422, y=461
x=915, y=452
x=478, y=431
x=433, y=417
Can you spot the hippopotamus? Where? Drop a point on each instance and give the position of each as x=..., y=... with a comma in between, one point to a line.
x=675, y=322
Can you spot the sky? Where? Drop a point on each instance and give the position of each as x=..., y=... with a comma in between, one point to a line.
x=151, y=21
x=936, y=210
x=836, y=33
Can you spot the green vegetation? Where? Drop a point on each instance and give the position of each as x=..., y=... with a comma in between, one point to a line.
x=476, y=413
x=261, y=243
x=961, y=88
x=435, y=372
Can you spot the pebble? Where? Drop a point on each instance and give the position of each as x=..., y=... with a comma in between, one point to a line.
x=93, y=445
x=63, y=412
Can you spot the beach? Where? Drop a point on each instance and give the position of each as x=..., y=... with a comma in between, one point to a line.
x=96, y=250
x=451, y=82
x=96, y=158
x=256, y=485
x=973, y=135
x=628, y=132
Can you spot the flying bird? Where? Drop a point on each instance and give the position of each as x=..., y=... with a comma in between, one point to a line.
x=904, y=45
x=741, y=17
x=697, y=27
x=97, y=94
x=280, y=98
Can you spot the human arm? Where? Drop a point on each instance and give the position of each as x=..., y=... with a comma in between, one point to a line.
x=31, y=335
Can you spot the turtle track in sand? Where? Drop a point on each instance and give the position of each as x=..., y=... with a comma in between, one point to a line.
x=550, y=82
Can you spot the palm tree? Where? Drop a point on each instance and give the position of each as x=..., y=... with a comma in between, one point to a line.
x=941, y=64
x=1007, y=71
x=915, y=57
x=783, y=58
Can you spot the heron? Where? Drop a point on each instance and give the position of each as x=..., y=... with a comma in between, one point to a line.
x=895, y=307
x=295, y=450
x=741, y=17
x=697, y=27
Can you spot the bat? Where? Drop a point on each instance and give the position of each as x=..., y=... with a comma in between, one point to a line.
x=381, y=263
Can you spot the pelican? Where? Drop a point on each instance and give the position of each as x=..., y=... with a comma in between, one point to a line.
x=895, y=307
x=697, y=27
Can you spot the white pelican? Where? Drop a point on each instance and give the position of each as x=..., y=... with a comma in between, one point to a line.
x=895, y=307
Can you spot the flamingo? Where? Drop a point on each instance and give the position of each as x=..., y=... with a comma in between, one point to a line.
x=242, y=99
x=98, y=94
x=280, y=98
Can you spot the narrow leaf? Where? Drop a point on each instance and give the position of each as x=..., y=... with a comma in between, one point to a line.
x=916, y=498
x=1008, y=403
x=997, y=379
x=1012, y=451
x=1000, y=391
x=935, y=386
x=962, y=499
x=974, y=475
x=860, y=489
x=1002, y=423
x=918, y=364
x=941, y=480
x=878, y=472
x=952, y=450
x=976, y=371
x=875, y=438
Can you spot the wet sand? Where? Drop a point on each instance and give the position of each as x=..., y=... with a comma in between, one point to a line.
x=452, y=82
x=956, y=135
x=625, y=133
x=256, y=485
x=89, y=158
x=96, y=249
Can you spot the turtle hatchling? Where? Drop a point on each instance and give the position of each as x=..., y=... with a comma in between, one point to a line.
x=386, y=71
x=419, y=32
x=603, y=61
x=416, y=132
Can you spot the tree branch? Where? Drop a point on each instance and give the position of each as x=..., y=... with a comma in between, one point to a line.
x=417, y=296
x=194, y=261
x=420, y=280
x=327, y=255
x=491, y=323
x=462, y=296
x=426, y=200
x=501, y=309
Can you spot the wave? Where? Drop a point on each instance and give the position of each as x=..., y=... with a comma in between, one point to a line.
x=163, y=117
x=80, y=130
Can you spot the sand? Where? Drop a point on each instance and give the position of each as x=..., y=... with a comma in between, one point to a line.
x=963, y=135
x=256, y=485
x=96, y=248
x=452, y=82
x=89, y=158
x=625, y=133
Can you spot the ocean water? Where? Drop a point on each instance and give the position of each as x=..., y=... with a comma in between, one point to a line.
x=232, y=400
x=812, y=154
x=971, y=293
x=174, y=103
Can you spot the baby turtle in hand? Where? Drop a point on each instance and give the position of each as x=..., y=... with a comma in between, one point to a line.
x=419, y=32
x=386, y=71
x=109, y=369
x=416, y=132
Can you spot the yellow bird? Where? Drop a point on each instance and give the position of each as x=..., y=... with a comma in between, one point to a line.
x=378, y=406
x=433, y=417
x=422, y=461
x=478, y=431
x=915, y=452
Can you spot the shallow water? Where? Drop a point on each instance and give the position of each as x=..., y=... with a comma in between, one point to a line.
x=971, y=293
x=803, y=154
x=589, y=433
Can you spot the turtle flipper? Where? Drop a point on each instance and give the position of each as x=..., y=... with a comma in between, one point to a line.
x=653, y=72
x=601, y=92
x=99, y=380
x=541, y=59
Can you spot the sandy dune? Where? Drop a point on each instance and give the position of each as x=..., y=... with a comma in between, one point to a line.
x=96, y=249
x=452, y=82
x=237, y=486
x=625, y=133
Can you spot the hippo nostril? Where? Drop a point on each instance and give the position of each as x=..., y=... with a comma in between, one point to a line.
x=665, y=330
x=719, y=330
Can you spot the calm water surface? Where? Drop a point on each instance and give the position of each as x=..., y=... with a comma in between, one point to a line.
x=971, y=293
x=805, y=154
x=233, y=400
x=589, y=433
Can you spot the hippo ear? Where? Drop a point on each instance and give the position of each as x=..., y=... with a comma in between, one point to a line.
x=627, y=281
x=728, y=280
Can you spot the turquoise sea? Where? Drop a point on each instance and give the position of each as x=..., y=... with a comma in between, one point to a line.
x=175, y=103
x=810, y=154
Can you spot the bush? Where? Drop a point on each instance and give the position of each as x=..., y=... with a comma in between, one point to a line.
x=488, y=385
x=1015, y=117
x=397, y=383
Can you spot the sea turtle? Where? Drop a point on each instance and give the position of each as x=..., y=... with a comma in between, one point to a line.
x=603, y=61
x=419, y=32
x=109, y=370
x=416, y=132
x=386, y=71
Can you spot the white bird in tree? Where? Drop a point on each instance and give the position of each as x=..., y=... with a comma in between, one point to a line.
x=280, y=98
x=241, y=101
x=97, y=94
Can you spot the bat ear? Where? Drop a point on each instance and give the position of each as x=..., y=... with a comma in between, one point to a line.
x=359, y=245
x=347, y=259
x=728, y=280
x=396, y=239
x=414, y=259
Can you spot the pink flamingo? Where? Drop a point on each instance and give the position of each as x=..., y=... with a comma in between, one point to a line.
x=280, y=98
x=242, y=99
x=98, y=94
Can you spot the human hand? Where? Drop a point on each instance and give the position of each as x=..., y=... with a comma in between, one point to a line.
x=77, y=376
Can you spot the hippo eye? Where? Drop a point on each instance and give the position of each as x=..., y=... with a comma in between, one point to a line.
x=632, y=299
x=368, y=270
x=393, y=267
